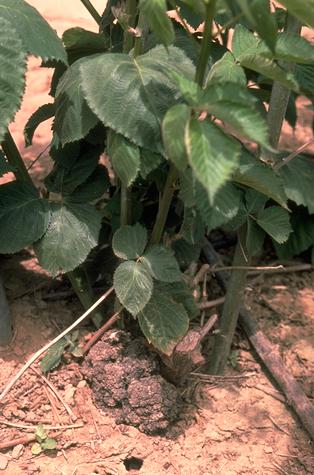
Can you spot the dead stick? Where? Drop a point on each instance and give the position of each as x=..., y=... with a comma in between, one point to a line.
x=49, y=345
x=57, y=394
x=99, y=333
x=211, y=303
x=296, y=398
x=21, y=440
x=47, y=427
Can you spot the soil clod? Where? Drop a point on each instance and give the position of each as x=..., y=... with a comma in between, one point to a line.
x=124, y=376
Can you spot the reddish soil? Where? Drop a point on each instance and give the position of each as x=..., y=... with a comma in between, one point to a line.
x=239, y=424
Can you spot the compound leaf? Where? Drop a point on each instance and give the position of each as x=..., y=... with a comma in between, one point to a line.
x=133, y=285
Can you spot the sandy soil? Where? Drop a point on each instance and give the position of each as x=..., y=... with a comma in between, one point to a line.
x=237, y=425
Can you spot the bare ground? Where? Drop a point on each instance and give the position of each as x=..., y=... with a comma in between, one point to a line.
x=236, y=425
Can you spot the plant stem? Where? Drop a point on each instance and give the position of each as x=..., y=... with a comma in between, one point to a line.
x=6, y=323
x=126, y=205
x=14, y=158
x=280, y=97
x=128, y=37
x=231, y=308
x=164, y=205
x=206, y=43
x=126, y=200
x=81, y=285
x=92, y=10
x=165, y=202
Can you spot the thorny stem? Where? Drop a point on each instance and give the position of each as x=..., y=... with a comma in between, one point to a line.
x=279, y=97
x=128, y=37
x=92, y=10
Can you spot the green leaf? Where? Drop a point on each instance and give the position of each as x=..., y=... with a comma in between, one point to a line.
x=125, y=158
x=294, y=48
x=181, y=294
x=304, y=74
x=297, y=177
x=212, y=155
x=149, y=162
x=174, y=128
x=93, y=188
x=270, y=69
x=250, y=52
x=49, y=444
x=261, y=177
x=37, y=36
x=69, y=171
x=40, y=433
x=133, y=285
x=129, y=242
x=225, y=206
x=80, y=43
x=227, y=69
x=12, y=71
x=36, y=449
x=52, y=358
x=255, y=237
x=190, y=13
x=5, y=167
x=260, y=19
x=162, y=264
x=155, y=13
x=244, y=42
x=275, y=221
x=304, y=10
x=193, y=227
x=255, y=201
x=72, y=233
x=164, y=322
x=141, y=91
x=73, y=117
x=302, y=237
x=43, y=113
x=234, y=105
x=24, y=216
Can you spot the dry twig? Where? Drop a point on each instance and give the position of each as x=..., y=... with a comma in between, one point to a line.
x=57, y=394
